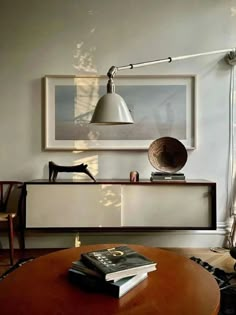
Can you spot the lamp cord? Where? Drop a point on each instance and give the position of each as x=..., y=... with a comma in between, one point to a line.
x=230, y=58
x=231, y=194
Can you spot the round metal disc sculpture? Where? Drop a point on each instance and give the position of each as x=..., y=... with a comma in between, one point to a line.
x=167, y=154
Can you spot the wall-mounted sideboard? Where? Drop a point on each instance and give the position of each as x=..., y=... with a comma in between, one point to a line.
x=120, y=205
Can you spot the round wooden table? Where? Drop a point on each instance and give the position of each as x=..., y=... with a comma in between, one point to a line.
x=179, y=286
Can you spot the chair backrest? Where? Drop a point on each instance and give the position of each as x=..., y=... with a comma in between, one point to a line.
x=11, y=196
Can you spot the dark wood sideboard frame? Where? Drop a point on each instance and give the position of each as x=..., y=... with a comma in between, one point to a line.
x=212, y=226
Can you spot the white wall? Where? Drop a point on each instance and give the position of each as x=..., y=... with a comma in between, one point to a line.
x=88, y=36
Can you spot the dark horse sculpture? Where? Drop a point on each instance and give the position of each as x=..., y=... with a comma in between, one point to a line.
x=54, y=169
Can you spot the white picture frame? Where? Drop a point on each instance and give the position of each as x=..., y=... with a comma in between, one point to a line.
x=160, y=105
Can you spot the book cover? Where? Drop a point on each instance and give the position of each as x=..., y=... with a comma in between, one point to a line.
x=93, y=284
x=117, y=262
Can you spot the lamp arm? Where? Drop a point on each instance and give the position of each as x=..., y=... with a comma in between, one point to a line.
x=113, y=70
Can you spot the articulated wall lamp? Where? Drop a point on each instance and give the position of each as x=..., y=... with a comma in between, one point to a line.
x=111, y=109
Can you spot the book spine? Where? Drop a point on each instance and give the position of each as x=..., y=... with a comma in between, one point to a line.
x=79, y=266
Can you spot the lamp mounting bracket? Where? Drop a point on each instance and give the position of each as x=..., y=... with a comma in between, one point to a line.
x=112, y=72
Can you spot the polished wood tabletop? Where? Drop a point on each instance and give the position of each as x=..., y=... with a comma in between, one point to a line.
x=179, y=286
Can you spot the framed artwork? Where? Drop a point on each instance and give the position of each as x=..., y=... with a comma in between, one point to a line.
x=160, y=105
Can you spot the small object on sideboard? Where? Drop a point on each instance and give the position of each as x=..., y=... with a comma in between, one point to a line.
x=134, y=176
x=54, y=169
x=167, y=155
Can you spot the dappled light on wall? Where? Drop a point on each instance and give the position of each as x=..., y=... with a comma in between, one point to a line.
x=86, y=95
x=84, y=57
x=233, y=11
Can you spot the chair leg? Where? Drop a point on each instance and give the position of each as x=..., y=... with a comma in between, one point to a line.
x=11, y=238
x=21, y=221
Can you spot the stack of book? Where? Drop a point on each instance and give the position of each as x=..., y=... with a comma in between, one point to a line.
x=166, y=176
x=114, y=271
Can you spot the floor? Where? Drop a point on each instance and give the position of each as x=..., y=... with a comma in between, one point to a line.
x=218, y=258
x=18, y=254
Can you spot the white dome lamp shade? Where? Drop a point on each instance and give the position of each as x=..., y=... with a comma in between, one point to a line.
x=111, y=108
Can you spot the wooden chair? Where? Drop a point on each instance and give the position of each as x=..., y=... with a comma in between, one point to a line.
x=11, y=202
